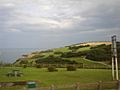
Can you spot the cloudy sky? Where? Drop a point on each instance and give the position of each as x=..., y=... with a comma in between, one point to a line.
x=55, y=23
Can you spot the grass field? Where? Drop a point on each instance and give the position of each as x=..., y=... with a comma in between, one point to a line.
x=58, y=78
x=61, y=77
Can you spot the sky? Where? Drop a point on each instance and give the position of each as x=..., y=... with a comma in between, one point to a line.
x=55, y=23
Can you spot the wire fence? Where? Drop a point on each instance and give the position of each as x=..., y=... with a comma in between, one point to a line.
x=111, y=85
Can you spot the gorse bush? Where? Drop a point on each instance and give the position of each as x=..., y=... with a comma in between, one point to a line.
x=52, y=69
x=54, y=60
x=71, y=68
x=77, y=47
x=37, y=56
x=38, y=66
x=74, y=54
x=58, y=52
x=24, y=66
x=100, y=53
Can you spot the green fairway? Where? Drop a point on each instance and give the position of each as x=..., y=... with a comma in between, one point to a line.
x=83, y=49
x=62, y=49
x=58, y=78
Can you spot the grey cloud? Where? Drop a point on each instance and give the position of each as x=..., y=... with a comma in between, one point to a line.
x=104, y=15
x=57, y=22
x=98, y=14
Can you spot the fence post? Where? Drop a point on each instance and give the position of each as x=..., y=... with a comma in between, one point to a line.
x=118, y=85
x=99, y=85
x=77, y=86
x=52, y=87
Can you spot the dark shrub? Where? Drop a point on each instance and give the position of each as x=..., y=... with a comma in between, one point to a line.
x=54, y=60
x=37, y=56
x=24, y=66
x=52, y=69
x=74, y=54
x=38, y=66
x=71, y=68
x=58, y=52
x=74, y=48
x=23, y=61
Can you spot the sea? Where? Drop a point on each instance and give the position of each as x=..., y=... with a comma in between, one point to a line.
x=10, y=55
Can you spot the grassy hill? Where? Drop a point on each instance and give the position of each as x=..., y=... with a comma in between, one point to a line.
x=73, y=54
x=97, y=56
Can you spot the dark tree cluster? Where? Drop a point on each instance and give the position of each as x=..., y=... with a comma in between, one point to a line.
x=54, y=60
x=100, y=53
x=37, y=56
x=71, y=68
x=74, y=54
x=77, y=47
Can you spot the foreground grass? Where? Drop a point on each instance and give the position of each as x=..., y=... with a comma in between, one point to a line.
x=58, y=78
x=13, y=88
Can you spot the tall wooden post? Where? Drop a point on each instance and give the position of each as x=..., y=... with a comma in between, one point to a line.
x=52, y=87
x=114, y=58
x=118, y=85
x=99, y=85
x=113, y=72
x=77, y=86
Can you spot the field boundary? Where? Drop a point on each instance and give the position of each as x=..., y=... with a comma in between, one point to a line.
x=109, y=85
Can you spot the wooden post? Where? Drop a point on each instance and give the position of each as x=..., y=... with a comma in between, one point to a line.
x=99, y=85
x=118, y=85
x=114, y=58
x=77, y=86
x=52, y=87
x=116, y=64
x=113, y=72
x=83, y=66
